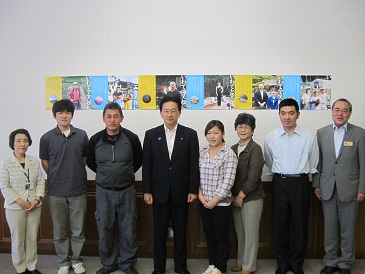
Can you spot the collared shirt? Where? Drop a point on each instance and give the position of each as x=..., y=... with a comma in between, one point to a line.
x=170, y=138
x=66, y=169
x=306, y=97
x=67, y=132
x=217, y=175
x=338, y=134
x=323, y=98
x=296, y=153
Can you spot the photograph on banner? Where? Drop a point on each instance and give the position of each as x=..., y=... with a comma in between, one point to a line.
x=124, y=91
x=316, y=92
x=172, y=86
x=267, y=91
x=78, y=90
x=194, y=92
x=219, y=91
x=74, y=88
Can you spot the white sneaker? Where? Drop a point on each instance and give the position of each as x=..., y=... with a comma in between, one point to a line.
x=78, y=268
x=209, y=269
x=216, y=271
x=64, y=270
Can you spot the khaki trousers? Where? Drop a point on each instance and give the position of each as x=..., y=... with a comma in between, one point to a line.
x=24, y=231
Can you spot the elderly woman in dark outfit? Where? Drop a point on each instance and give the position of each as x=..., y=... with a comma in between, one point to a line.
x=248, y=194
x=22, y=186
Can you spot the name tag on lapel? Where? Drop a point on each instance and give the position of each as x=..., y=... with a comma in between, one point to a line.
x=348, y=143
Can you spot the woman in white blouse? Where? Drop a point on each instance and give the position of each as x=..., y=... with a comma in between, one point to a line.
x=22, y=186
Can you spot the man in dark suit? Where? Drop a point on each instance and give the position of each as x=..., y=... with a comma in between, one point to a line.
x=260, y=98
x=170, y=176
x=340, y=185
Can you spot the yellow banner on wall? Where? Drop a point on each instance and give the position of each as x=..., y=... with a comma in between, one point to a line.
x=243, y=92
x=53, y=90
x=147, y=92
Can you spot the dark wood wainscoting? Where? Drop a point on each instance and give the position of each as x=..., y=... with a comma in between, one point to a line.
x=196, y=240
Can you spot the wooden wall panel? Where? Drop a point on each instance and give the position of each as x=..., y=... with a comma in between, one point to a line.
x=196, y=243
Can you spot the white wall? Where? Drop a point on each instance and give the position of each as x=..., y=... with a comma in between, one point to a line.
x=89, y=37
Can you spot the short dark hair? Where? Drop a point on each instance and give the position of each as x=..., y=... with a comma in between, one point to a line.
x=245, y=119
x=113, y=105
x=63, y=105
x=288, y=102
x=342, y=100
x=212, y=124
x=166, y=99
x=18, y=131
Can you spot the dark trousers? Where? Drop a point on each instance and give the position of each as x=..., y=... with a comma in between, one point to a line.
x=291, y=210
x=161, y=219
x=116, y=214
x=219, y=99
x=216, y=228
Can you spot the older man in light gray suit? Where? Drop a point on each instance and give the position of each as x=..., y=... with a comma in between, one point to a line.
x=340, y=185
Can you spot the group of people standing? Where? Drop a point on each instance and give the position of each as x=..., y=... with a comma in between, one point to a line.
x=123, y=99
x=315, y=101
x=336, y=159
x=261, y=100
x=226, y=180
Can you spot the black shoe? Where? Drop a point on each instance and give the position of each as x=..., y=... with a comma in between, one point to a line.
x=158, y=272
x=185, y=272
x=131, y=270
x=104, y=270
x=35, y=271
x=298, y=271
x=281, y=271
x=344, y=270
x=328, y=269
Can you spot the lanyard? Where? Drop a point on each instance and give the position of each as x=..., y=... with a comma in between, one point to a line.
x=27, y=186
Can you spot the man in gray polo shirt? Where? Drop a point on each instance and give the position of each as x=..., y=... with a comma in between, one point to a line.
x=115, y=154
x=62, y=151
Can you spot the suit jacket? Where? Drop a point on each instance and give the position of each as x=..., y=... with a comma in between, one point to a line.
x=13, y=178
x=180, y=175
x=257, y=98
x=347, y=171
x=273, y=103
x=249, y=171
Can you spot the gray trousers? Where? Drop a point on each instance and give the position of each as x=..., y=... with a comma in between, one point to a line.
x=247, y=224
x=339, y=223
x=24, y=231
x=116, y=213
x=68, y=214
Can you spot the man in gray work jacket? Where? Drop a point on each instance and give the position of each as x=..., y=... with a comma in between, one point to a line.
x=115, y=154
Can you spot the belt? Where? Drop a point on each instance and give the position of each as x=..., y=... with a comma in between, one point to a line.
x=290, y=175
x=116, y=189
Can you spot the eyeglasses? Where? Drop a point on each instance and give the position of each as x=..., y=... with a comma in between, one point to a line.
x=243, y=127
